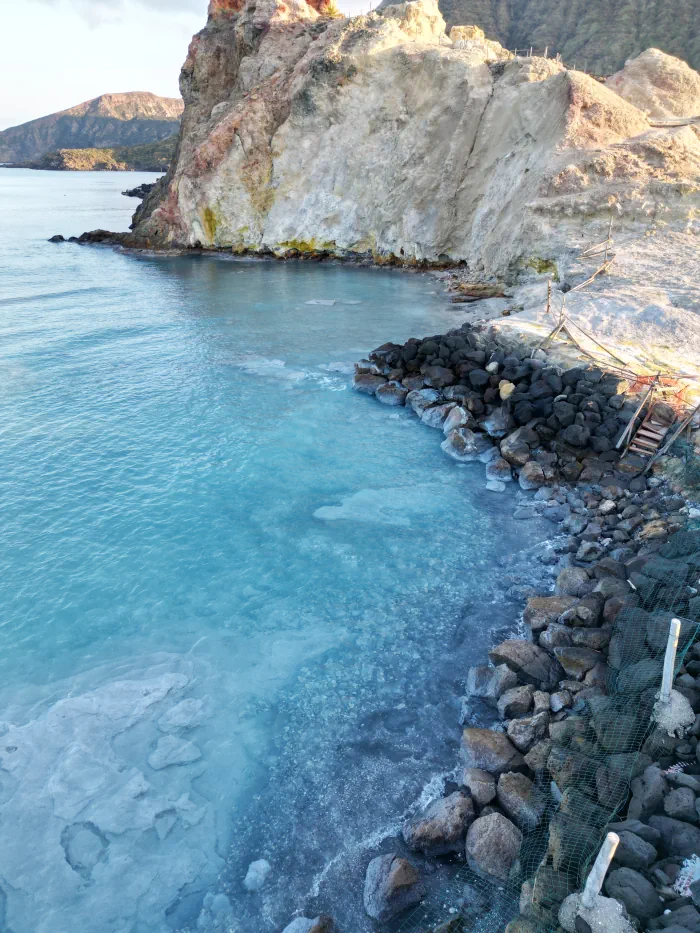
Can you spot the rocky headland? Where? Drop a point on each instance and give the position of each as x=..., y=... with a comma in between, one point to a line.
x=112, y=120
x=151, y=157
x=382, y=137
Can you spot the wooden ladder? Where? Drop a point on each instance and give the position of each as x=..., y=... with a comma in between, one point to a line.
x=649, y=437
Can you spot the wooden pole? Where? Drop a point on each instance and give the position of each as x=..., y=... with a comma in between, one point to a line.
x=595, y=879
x=628, y=430
x=608, y=242
x=670, y=660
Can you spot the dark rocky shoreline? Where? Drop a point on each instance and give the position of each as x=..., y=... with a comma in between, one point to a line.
x=576, y=752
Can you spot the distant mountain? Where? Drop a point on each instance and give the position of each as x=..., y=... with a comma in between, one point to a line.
x=111, y=120
x=596, y=35
x=150, y=157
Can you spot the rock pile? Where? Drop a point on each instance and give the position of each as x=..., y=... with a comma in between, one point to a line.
x=578, y=746
x=521, y=417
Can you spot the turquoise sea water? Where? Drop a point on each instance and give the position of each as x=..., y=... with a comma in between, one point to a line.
x=237, y=600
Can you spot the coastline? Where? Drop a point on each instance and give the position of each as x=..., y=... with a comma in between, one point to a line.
x=556, y=677
x=597, y=501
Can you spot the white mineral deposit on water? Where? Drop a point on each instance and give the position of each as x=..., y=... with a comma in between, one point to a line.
x=235, y=595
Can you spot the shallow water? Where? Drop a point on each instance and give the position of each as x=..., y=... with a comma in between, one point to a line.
x=237, y=600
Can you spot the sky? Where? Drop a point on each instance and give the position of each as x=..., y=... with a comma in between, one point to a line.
x=59, y=53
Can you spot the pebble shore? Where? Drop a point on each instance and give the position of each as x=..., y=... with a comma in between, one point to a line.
x=575, y=752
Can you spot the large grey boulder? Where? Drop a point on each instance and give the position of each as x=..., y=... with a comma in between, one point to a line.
x=530, y=662
x=618, y=732
x=464, y=445
x=635, y=892
x=493, y=845
x=436, y=416
x=392, y=885
x=489, y=751
x=541, y=611
x=392, y=393
x=531, y=476
x=572, y=581
x=515, y=448
x=458, y=417
x=420, y=399
x=519, y=800
x=367, y=383
x=647, y=833
x=680, y=805
x=480, y=784
x=490, y=683
x=515, y=702
x=524, y=733
x=498, y=423
x=442, y=827
x=578, y=661
x=677, y=838
x=439, y=376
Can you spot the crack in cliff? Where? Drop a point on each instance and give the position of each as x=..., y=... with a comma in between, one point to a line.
x=237, y=135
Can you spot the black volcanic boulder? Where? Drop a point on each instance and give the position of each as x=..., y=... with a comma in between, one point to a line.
x=635, y=892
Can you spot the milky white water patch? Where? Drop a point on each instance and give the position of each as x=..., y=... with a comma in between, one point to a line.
x=396, y=505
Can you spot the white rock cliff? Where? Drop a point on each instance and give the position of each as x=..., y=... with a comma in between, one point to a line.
x=380, y=136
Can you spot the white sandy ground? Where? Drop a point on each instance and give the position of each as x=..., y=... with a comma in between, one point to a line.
x=646, y=309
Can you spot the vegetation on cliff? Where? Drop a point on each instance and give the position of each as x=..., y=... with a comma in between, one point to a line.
x=112, y=120
x=593, y=34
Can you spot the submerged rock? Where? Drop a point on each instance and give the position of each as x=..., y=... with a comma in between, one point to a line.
x=463, y=444
x=322, y=924
x=257, y=875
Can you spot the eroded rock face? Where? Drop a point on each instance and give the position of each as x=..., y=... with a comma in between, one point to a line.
x=304, y=133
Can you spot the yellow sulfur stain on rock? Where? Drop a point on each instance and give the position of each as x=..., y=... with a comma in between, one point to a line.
x=543, y=266
x=210, y=223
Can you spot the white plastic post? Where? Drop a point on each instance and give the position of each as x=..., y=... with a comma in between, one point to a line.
x=595, y=879
x=670, y=660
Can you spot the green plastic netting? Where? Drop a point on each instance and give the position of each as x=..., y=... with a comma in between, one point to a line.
x=595, y=754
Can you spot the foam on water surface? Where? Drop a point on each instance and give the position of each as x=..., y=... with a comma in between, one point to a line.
x=237, y=600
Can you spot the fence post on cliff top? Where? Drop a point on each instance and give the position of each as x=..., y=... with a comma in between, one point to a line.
x=595, y=879
x=670, y=660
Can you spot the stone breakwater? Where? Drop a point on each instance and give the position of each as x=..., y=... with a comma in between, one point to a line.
x=576, y=751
